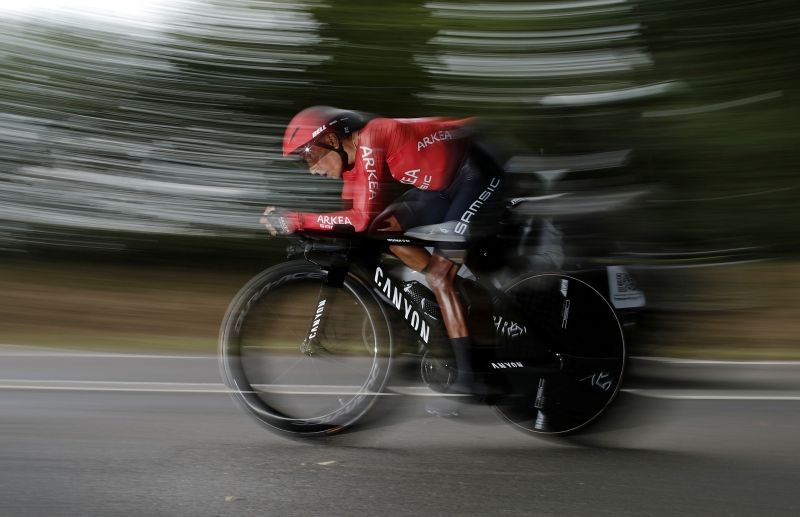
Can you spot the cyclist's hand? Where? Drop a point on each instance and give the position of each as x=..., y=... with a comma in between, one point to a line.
x=280, y=221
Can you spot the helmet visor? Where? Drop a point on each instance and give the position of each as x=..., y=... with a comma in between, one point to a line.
x=313, y=152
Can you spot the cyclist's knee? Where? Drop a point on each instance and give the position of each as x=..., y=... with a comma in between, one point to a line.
x=440, y=273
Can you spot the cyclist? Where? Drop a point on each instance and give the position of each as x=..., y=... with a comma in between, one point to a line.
x=453, y=182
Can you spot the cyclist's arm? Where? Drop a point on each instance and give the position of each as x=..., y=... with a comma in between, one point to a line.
x=363, y=189
x=326, y=221
x=283, y=222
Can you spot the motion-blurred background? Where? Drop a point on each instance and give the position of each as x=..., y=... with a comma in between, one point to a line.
x=140, y=141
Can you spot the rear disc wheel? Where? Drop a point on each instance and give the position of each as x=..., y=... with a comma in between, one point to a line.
x=583, y=332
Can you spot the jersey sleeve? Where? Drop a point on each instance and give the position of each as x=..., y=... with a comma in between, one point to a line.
x=359, y=217
x=362, y=188
x=424, y=153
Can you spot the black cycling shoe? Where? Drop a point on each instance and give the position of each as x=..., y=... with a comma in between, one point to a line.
x=467, y=388
x=468, y=380
x=477, y=384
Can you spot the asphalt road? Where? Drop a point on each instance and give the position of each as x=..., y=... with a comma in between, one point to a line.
x=125, y=435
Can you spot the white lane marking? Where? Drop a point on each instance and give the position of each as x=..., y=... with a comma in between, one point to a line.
x=161, y=387
x=415, y=391
x=421, y=391
x=674, y=360
x=33, y=352
x=209, y=387
x=107, y=389
x=675, y=394
x=90, y=355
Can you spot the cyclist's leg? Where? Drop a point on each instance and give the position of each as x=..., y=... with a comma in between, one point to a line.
x=440, y=274
x=463, y=201
x=476, y=194
x=414, y=257
x=419, y=208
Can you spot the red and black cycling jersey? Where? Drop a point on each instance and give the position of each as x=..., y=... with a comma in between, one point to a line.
x=423, y=153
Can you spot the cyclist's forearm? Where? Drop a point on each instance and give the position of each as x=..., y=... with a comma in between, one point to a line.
x=355, y=218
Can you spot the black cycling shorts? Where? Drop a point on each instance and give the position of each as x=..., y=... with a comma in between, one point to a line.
x=473, y=201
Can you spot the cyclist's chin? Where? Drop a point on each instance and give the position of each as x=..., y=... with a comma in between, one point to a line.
x=327, y=173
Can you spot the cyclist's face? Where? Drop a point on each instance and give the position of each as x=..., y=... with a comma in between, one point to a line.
x=322, y=160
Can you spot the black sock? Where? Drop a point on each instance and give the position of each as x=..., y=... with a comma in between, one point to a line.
x=462, y=350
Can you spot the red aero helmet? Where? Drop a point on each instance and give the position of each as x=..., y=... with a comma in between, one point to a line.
x=311, y=123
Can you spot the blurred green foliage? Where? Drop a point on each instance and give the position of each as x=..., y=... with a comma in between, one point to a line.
x=209, y=97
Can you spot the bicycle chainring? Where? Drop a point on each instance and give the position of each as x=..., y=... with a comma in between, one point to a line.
x=438, y=373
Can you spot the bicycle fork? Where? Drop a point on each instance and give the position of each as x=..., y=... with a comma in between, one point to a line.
x=312, y=343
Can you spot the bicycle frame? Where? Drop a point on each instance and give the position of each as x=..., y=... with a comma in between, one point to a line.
x=386, y=289
x=363, y=256
x=367, y=264
x=374, y=273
